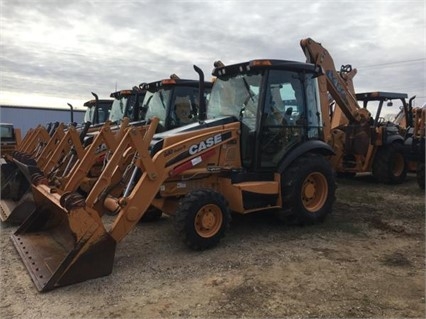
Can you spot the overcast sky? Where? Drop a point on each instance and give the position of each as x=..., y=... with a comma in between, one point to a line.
x=55, y=52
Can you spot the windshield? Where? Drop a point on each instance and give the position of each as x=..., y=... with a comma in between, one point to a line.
x=390, y=111
x=118, y=109
x=103, y=113
x=89, y=115
x=292, y=100
x=156, y=104
x=236, y=96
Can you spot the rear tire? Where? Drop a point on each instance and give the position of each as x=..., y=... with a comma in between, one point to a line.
x=202, y=217
x=308, y=189
x=390, y=165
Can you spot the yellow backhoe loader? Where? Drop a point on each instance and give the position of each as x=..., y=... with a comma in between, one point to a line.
x=361, y=143
x=414, y=144
x=16, y=199
x=50, y=149
x=241, y=156
x=55, y=163
x=128, y=103
x=97, y=111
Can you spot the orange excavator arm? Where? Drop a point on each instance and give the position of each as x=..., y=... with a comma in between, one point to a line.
x=340, y=87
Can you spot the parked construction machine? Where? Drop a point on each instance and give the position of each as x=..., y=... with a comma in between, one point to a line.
x=414, y=144
x=52, y=145
x=240, y=156
x=174, y=101
x=411, y=121
x=16, y=199
x=97, y=111
x=128, y=104
x=404, y=117
x=362, y=143
x=64, y=149
x=10, y=137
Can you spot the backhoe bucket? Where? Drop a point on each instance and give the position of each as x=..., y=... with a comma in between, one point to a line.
x=62, y=246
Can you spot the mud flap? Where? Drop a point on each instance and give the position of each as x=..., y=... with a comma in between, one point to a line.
x=60, y=247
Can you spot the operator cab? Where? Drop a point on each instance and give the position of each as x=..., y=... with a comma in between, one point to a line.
x=174, y=101
x=374, y=101
x=277, y=103
x=128, y=103
x=97, y=111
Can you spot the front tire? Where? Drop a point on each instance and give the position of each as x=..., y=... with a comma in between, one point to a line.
x=308, y=189
x=202, y=217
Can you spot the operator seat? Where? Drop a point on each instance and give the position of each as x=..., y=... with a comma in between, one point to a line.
x=183, y=112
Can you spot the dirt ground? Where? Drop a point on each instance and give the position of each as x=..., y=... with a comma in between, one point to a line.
x=366, y=260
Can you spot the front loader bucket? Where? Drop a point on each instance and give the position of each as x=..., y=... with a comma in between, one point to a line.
x=16, y=199
x=17, y=202
x=15, y=212
x=62, y=246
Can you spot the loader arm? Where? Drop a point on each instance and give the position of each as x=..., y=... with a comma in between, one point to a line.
x=39, y=136
x=51, y=146
x=26, y=140
x=155, y=170
x=337, y=86
x=106, y=136
x=71, y=139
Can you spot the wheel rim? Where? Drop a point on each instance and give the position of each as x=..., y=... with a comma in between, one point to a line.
x=314, y=192
x=208, y=220
x=398, y=165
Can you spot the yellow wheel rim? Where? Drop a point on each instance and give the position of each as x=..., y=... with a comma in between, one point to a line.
x=208, y=221
x=314, y=192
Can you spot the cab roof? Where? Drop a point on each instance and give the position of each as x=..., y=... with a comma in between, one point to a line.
x=380, y=96
x=167, y=83
x=128, y=92
x=223, y=70
x=91, y=103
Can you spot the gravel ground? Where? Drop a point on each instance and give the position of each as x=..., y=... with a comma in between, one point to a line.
x=366, y=260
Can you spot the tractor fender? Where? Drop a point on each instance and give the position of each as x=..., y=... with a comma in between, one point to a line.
x=313, y=146
x=394, y=139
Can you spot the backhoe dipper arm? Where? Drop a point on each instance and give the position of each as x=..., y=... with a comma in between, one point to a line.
x=339, y=90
